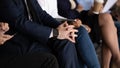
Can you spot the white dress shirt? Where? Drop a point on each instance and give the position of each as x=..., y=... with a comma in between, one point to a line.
x=50, y=6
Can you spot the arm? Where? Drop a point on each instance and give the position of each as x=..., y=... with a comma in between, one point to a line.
x=64, y=9
x=36, y=30
x=33, y=29
x=13, y=13
x=40, y=15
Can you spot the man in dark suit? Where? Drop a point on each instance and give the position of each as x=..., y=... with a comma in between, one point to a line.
x=26, y=61
x=34, y=36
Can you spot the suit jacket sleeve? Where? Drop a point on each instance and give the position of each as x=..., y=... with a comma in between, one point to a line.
x=39, y=14
x=15, y=16
x=64, y=9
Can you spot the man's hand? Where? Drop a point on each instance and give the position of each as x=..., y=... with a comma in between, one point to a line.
x=67, y=32
x=4, y=27
x=77, y=23
x=90, y=12
x=4, y=38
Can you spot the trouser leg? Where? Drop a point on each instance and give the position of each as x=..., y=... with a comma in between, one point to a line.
x=26, y=56
x=86, y=50
x=65, y=52
x=36, y=60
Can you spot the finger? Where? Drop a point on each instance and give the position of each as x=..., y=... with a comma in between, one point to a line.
x=65, y=23
x=70, y=39
x=75, y=35
x=62, y=25
x=89, y=30
x=4, y=26
x=72, y=36
x=70, y=27
x=77, y=20
x=73, y=30
x=1, y=41
x=7, y=36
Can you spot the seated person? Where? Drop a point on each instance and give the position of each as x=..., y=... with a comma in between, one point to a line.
x=102, y=23
x=33, y=35
x=82, y=41
x=27, y=61
x=116, y=16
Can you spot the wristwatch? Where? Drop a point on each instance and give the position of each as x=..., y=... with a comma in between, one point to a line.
x=55, y=33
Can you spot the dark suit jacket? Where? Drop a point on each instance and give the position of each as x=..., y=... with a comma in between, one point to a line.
x=64, y=9
x=14, y=12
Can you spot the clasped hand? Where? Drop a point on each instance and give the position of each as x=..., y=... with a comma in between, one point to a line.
x=4, y=37
x=67, y=32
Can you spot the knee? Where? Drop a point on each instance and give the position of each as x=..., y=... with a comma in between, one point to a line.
x=82, y=30
x=82, y=33
x=105, y=19
x=50, y=58
x=53, y=59
x=104, y=16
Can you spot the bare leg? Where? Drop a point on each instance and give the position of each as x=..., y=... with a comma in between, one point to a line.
x=113, y=65
x=109, y=35
x=106, y=57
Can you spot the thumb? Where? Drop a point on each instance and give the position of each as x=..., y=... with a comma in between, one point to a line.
x=65, y=23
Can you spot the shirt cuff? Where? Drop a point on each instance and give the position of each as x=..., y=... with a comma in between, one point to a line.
x=51, y=34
